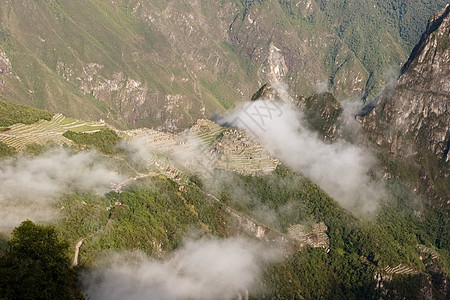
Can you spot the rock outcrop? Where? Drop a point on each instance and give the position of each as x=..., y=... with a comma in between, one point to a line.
x=323, y=112
x=411, y=123
x=165, y=64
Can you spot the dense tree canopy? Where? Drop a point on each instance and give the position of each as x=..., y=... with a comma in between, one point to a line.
x=36, y=265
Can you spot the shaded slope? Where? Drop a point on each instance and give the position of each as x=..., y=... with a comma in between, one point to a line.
x=164, y=64
x=411, y=122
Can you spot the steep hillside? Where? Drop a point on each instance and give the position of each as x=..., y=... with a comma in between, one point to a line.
x=380, y=34
x=411, y=122
x=210, y=184
x=164, y=64
x=220, y=212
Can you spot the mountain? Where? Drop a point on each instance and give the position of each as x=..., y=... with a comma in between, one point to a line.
x=273, y=200
x=204, y=186
x=411, y=122
x=164, y=64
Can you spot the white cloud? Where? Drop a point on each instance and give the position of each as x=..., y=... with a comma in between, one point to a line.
x=202, y=269
x=341, y=168
x=30, y=186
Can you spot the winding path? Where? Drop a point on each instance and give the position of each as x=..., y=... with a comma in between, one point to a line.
x=77, y=251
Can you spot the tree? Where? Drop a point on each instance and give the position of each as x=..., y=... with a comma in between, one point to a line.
x=36, y=266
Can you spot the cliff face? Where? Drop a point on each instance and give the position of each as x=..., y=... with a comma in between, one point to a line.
x=411, y=123
x=164, y=64
x=323, y=113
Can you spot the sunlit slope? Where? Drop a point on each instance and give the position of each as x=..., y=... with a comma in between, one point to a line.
x=165, y=64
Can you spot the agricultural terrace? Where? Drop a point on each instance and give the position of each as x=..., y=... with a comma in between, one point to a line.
x=20, y=135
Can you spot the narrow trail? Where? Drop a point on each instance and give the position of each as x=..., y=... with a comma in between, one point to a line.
x=119, y=186
x=81, y=240
x=239, y=296
x=248, y=218
x=77, y=251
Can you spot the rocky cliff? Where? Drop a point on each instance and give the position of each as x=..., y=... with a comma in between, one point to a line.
x=165, y=64
x=411, y=123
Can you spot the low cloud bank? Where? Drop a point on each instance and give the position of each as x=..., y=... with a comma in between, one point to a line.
x=340, y=168
x=186, y=150
x=201, y=269
x=30, y=186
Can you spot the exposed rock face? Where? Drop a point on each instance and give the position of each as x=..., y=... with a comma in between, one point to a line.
x=412, y=122
x=5, y=64
x=265, y=92
x=163, y=64
x=322, y=111
x=288, y=52
x=6, y=73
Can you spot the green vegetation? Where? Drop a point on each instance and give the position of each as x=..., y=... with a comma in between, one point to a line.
x=6, y=150
x=11, y=113
x=362, y=25
x=405, y=19
x=104, y=140
x=151, y=215
x=148, y=217
x=322, y=112
x=36, y=266
x=155, y=214
x=217, y=91
x=37, y=149
x=97, y=59
x=412, y=174
x=358, y=247
x=313, y=274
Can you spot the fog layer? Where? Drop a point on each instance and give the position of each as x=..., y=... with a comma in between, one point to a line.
x=30, y=186
x=202, y=269
x=340, y=168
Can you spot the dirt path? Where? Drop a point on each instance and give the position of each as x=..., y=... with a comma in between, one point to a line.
x=239, y=296
x=119, y=186
x=77, y=251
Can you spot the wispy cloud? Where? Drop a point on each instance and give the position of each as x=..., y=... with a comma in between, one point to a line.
x=30, y=186
x=341, y=168
x=202, y=269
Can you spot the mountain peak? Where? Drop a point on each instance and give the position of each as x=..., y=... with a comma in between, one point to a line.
x=411, y=122
x=438, y=24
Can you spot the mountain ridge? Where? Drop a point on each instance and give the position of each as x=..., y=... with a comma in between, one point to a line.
x=410, y=122
x=165, y=64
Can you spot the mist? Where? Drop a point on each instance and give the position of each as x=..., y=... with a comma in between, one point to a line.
x=202, y=269
x=341, y=169
x=185, y=150
x=30, y=186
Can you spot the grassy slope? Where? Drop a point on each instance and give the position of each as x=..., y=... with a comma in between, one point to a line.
x=154, y=215
x=92, y=31
x=186, y=51
x=380, y=34
x=6, y=151
x=342, y=41
x=358, y=247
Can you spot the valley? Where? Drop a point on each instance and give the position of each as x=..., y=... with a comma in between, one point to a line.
x=165, y=64
x=229, y=150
